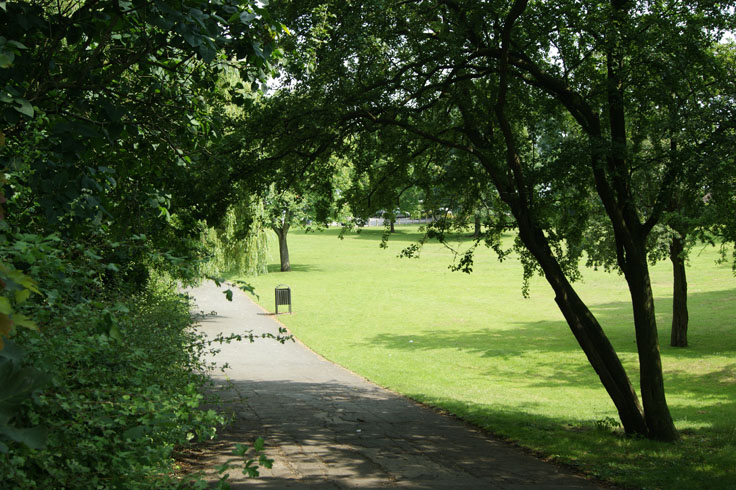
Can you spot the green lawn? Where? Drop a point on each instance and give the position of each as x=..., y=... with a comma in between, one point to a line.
x=473, y=345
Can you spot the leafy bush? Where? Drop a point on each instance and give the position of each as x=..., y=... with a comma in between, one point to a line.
x=124, y=393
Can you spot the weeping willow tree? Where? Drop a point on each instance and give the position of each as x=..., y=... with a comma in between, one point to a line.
x=240, y=244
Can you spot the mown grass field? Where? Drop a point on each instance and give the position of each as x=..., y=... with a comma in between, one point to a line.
x=473, y=345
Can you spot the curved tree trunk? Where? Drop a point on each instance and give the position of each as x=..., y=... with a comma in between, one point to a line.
x=678, y=336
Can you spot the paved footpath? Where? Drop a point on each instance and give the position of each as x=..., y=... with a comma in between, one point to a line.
x=327, y=428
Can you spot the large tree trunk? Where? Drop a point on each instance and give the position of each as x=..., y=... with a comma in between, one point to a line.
x=678, y=336
x=587, y=331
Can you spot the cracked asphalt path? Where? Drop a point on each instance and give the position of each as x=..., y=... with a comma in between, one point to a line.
x=328, y=428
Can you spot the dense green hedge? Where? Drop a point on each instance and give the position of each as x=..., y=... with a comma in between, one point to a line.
x=119, y=401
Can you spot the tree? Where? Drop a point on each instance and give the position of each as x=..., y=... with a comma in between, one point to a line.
x=239, y=243
x=476, y=77
x=285, y=209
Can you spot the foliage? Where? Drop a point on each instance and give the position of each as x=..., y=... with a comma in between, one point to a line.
x=251, y=462
x=116, y=377
x=124, y=391
x=113, y=114
x=19, y=384
x=108, y=111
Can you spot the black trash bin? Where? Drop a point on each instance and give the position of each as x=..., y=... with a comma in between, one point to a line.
x=283, y=296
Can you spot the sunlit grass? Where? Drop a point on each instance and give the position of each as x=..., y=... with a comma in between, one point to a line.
x=473, y=345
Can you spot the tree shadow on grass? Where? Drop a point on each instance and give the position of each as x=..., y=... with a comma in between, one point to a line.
x=276, y=268
x=702, y=459
x=555, y=336
x=376, y=234
x=539, y=353
x=708, y=332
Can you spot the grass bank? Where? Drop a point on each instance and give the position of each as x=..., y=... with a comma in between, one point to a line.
x=473, y=345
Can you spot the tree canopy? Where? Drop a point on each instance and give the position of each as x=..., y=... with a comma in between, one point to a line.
x=616, y=109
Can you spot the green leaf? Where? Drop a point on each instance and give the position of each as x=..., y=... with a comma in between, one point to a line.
x=135, y=432
x=247, y=17
x=259, y=444
x=3, y=6
x=22, y=295
x=18, y=383
x=25, y=106
x=114, y=333
x=6, y=59
x=24, y=321
x=240, y=449
x=16, y=45
x=5, y=307
x=228, y=294
x=207, y=52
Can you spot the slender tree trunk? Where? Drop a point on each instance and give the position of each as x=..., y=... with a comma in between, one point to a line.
x=476, y=226
x=393, y=228
x=678, y=337
x=281, y=233
x=630, y=234
x=656, y=411
x=284, y=253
